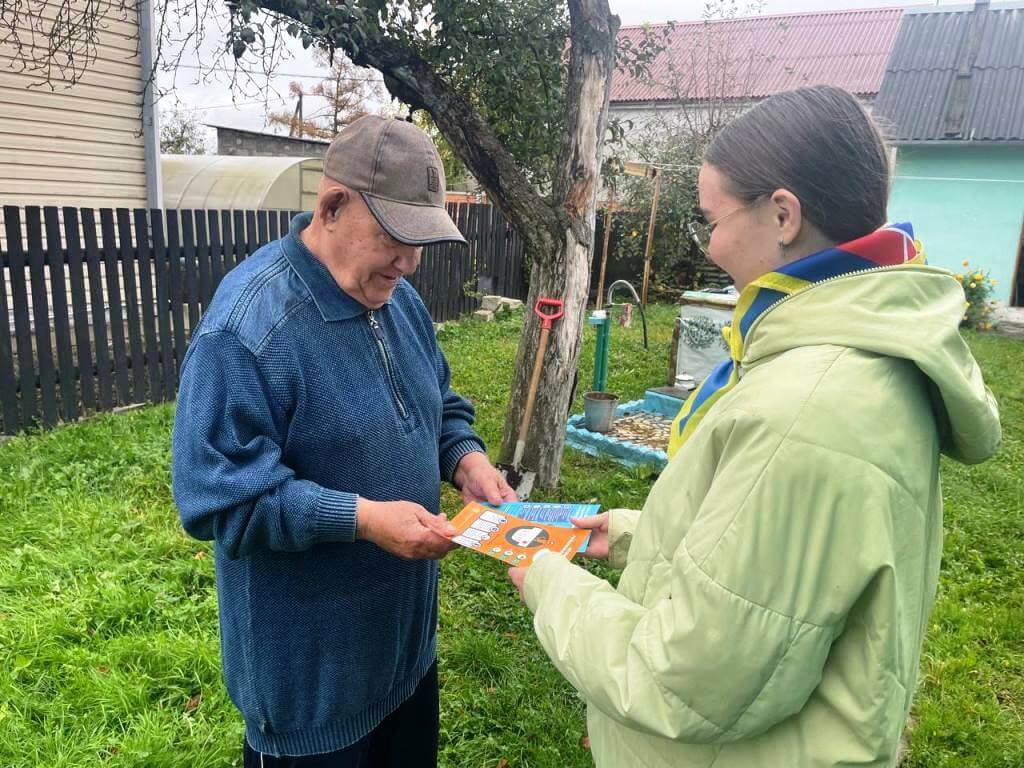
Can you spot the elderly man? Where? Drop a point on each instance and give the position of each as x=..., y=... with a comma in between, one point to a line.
x=314, y=425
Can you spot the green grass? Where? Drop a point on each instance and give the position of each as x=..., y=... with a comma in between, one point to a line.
x=108, y=617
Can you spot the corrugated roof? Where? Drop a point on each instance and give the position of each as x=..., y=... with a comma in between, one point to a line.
x=763, y=55
x=922, y=98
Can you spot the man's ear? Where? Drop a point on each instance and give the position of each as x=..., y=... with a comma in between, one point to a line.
x=330, y=202
x=788, y=215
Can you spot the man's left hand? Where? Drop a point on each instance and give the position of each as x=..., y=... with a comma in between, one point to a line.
x=480, y=481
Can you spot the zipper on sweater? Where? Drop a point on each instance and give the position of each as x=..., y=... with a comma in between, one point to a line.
x=378, y=334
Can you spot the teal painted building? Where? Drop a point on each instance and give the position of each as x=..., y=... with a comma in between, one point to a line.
x=966, y=203
x=952, y=101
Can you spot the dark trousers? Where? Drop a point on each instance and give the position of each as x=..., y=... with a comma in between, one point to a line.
x=407, y=738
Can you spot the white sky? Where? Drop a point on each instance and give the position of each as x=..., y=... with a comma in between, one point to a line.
x=213, y=100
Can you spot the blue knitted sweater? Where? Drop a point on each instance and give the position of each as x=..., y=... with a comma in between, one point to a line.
x=294, y=401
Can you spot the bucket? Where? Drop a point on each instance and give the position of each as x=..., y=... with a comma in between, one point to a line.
x=599, y=410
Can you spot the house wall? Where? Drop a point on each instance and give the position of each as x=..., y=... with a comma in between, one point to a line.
x=80, y=145
x=248, y=143
x=966, y=203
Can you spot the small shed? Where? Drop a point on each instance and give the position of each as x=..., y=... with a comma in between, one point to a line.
x=225, y=182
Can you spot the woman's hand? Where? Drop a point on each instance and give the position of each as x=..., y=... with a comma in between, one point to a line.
x=597, y=548
x=518, y=578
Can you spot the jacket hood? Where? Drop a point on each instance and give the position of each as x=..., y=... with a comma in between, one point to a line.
x=911, y=312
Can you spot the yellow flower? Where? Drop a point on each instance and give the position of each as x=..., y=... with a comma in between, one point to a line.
x=974, y=285
x=959, y=278
x=634, y=233
x=978, y=275
x=967, y=263
x=994, y=282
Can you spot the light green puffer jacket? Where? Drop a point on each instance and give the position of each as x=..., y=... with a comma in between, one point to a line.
x=777, y=584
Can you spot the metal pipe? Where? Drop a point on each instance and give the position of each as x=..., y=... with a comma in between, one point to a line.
x=636, y=298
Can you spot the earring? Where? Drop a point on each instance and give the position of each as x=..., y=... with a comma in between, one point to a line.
x=782, y=251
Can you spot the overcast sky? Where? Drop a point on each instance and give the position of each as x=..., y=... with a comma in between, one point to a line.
x=216, y=102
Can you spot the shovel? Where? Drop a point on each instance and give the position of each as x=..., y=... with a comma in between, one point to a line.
x=519, y=479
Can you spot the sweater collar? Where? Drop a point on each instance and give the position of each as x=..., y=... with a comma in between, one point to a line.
x=330, y=299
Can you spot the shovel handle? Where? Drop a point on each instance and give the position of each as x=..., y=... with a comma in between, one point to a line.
x=547, y=318
x=531, y=395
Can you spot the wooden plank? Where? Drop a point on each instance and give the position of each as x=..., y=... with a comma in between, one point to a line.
x=94, y=87
x=203, y=257
x=9, y=417
x=24, y=129
x=116, y=98
x=227, y=237
x=470, y=258
x=62, y=328
x=81, y=111
x=80, y=309
x=131, y=302
x=18, y=259
x=213, y=219
x=190, y=262
x=252, y=242
x=177, y=299
x=274, y=225
x=118, y=347
x=41, y=316
x=147, y=304
x=79, y=151
x=163, y=304
x=238, y=219
x=123, y=69
x=99, y=311
x=38, y=164
x=261, y=226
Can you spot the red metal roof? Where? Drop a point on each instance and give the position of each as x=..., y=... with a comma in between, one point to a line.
x=764, y=55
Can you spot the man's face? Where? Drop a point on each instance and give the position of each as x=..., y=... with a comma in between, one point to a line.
x=370, y=262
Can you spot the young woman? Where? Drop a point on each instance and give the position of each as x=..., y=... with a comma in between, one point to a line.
x=777, y=583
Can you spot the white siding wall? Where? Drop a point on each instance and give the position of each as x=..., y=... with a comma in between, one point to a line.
x=80, y=145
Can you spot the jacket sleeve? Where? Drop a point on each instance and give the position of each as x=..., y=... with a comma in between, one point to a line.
x=621, y=524
x=228, y=479
x=760, y=586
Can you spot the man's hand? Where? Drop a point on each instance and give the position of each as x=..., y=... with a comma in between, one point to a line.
x=404, y=529
x=597, y=547
x=479, y=481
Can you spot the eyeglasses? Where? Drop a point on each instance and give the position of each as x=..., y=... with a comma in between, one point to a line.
x=700, y=231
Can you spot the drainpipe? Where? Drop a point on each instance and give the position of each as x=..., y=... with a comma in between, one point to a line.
x=150, y=115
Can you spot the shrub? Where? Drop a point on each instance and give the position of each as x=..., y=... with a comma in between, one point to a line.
x=977, y=287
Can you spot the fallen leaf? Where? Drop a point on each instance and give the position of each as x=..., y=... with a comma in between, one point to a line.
x=103, y=669
x=492, y=691
x=199, y=555
x=193, y=702
x=509, y=635
x=503, y=763
x=585, y=742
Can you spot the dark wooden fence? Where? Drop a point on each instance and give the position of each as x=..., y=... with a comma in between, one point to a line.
x=97, y=306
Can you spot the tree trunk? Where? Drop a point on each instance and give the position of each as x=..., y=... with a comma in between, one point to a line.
x=565, y=273
x=557, y=230
x=566, y=276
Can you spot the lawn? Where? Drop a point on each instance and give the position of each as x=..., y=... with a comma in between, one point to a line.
x=108, y=618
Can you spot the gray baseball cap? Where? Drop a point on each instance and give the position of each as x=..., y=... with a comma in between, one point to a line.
x=395, y=167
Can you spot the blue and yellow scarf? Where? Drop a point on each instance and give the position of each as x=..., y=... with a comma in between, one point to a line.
x=892, y=245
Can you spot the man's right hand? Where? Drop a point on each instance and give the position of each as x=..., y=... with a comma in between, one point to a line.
x=404, y=529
